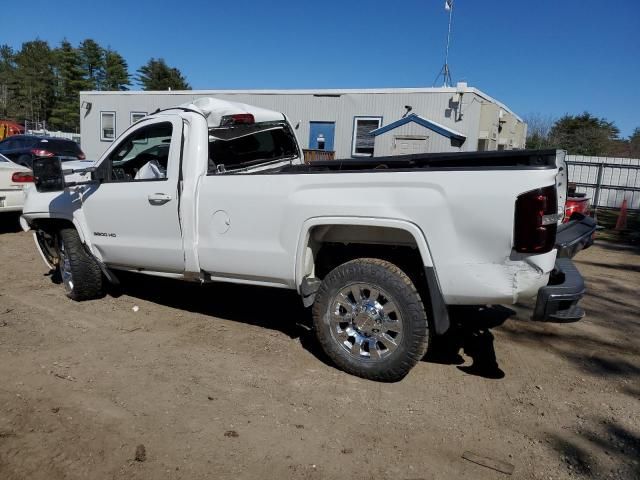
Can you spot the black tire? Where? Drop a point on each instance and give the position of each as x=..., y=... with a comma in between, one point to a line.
x=80, y=273
x=388, y=284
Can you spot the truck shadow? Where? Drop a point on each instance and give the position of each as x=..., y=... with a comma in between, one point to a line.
x=270, y=308
x=282, y=310
x=470, y=333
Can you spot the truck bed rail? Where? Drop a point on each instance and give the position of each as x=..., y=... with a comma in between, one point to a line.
x=495, y=160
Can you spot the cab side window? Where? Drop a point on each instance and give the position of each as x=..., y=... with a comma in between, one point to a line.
x=141, y=156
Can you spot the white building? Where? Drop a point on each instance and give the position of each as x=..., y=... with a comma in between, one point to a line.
x=350, y=123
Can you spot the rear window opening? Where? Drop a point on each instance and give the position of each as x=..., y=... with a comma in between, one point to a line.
x=63, y=148
x=244, y=146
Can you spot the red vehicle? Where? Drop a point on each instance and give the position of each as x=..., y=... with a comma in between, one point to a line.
x=8, y=128
x=576, y=203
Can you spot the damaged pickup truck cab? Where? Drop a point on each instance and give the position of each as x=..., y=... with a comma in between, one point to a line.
x=218, y=191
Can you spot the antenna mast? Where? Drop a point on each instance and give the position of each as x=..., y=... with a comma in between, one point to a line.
x=445, y=72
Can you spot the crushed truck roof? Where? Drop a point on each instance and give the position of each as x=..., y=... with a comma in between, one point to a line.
x=214, y=109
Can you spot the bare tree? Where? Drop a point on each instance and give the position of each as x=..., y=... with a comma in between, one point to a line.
x=538, y=129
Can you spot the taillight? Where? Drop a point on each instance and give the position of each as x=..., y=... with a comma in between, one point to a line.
x=22, y=177
x=569, y=209
x=536, y=221
x=39, y=152
x=82, y=156
x=576, y=206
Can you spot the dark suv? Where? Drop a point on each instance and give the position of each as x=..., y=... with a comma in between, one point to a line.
x=22, y=149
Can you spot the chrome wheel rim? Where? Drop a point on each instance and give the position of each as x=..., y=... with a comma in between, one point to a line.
x=65, y=269
x=366, y=322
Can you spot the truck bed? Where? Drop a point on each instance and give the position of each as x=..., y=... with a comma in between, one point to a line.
x=504, y=160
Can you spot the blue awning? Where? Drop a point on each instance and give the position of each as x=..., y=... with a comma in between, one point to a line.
x=430, y=124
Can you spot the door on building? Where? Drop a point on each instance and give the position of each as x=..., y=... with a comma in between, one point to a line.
x=409, y=144
x=321, y=135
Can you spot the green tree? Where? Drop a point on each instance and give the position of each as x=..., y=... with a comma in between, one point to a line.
x=70, y=80
x=92, y=61
x=116, y=72
x=634, y=144
x=583, y=134
x=34, y=78
x=157, y=75
x=8, y=84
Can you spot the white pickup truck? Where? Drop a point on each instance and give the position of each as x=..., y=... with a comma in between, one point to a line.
x=218, y=191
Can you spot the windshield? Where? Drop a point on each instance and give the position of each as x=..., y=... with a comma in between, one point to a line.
x=242, y=146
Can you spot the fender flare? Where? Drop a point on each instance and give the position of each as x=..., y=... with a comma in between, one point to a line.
x=307, y=290
x=78, y=225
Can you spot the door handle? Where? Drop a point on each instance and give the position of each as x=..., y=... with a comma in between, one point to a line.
x=159, y=198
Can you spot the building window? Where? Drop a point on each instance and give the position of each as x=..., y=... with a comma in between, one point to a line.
x=137, y=116
x=107, y=126
x=363, y=141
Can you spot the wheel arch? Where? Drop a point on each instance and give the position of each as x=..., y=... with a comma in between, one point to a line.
x=52, y=224
x=49, y=223
x=376, y=232
x=367, y=230
x=43, y=227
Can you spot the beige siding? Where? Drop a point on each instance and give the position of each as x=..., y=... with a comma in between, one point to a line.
x=512, y=133
x=302, y=108
x=387, y=143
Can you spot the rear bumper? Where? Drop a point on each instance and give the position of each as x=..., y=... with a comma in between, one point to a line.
x=558, y=301
x=11, y=200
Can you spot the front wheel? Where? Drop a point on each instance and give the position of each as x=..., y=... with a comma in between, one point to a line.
x=370, y=320
x=80, y=273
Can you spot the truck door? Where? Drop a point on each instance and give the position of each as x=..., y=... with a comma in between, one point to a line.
x=132, y=217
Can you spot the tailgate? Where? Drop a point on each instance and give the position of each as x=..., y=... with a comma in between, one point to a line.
x=575, y=235
x=561, y=183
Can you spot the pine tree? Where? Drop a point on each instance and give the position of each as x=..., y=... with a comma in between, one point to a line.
x=157, y=75
x=8, y=85
x=70, y=80
x=92, y=61
x=583, y=134
x=35, y=80
x=116, y=72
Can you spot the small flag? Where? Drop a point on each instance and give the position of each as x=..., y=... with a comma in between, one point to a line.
x=448, y=4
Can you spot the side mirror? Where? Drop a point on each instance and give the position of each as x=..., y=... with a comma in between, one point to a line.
x=47, y=174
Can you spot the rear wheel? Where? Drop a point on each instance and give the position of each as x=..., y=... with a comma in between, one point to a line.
x=80, y=273
x=370, y=320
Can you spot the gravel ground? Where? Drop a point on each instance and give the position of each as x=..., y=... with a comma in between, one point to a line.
x=225, y=381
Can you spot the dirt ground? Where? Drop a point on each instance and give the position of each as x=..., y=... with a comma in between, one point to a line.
x=227, y=382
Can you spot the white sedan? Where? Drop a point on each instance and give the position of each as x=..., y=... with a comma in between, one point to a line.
x=13, y=179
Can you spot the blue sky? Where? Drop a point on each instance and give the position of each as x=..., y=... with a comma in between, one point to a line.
x=538, y=56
